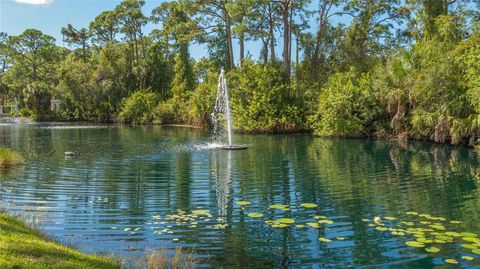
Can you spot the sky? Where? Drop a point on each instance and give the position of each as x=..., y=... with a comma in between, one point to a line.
x=50, y=16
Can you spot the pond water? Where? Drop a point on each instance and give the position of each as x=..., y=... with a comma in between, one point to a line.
x=133, y=189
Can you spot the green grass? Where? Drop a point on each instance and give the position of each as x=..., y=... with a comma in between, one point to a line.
x=24, y=247
x=9, y=158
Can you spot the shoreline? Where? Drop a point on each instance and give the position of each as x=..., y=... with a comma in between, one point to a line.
x=26, y=246
x=276, y=131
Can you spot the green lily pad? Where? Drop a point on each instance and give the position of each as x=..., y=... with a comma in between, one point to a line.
x=323, y=239
x=300, y=226
x=313, y=225
x=476, y=251
x=470, y=246
x=285, y=221
x=243, y=203
x=308, y=205
x=381, y=229
x=467, y=258
x=455, y=222
x=279, y=225
x=438, y=227
x=415, y=244
x=472, y=239
x=465, y=234
x=320, y=217
x=389, y=218
x=255, y=215
x=200, y=212
x=453, y=234
x=424, y=240
x=451, y=261
x=280, y=207
x=407, y=223
x=444, y=238
x=432, y=250
x=340, y=238
x=412, y=213
x=325, y=221
x=365, y=220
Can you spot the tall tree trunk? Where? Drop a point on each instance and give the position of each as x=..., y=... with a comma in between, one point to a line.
x=286, y=38
x=271, y=37
x=242, y=47
x=231, y=64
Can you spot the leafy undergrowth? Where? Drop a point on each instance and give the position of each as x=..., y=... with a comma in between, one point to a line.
x=9, y=158
x=23, y=247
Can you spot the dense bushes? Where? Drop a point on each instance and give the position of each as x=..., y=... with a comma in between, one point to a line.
x=348, y=107
x=262, y=101
x=138, y=107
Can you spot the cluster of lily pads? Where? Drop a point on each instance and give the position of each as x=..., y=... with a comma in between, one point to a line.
x=423, y=230
x=290, y=222
x=429, y=233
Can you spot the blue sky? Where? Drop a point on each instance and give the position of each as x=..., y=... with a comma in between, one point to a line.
x=50, y=16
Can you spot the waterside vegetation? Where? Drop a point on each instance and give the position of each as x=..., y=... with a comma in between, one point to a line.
x=390, y=68
x=9, y=158
x=22, y=246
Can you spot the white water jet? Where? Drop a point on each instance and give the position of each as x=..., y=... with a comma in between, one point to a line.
x=221, y=114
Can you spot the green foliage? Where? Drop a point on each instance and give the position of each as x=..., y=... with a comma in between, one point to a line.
x=348, y=107
x=25, y=247
x=262, y=101
x=9, y=158
x=138, y=107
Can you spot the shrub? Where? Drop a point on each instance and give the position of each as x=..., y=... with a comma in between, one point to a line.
x=348, y=107
x=9, y=158
x=138, y=107
x=262, y=101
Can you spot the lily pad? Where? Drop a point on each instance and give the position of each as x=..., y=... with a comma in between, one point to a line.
x=465, y=234
x=285, y=221
x=424, y=240
x=323, y=239
x=243, y=203
x=300, y=226
x=476, y=251
x=453, y=234
x=313, y=225
x=280, y=207
x=340, y=238
x=412, y=213
x=472, y=239
x=365, y=220
x=255, y=215
x=467, y=258
x=470, y=246
x=389, y=218
x=325, y=221
x=320, y=217
x=432, y=250
x=279, y=225
x=451, y=261
x=455, y=222
x=415, y=244
x=309, y=205
x=200, y=212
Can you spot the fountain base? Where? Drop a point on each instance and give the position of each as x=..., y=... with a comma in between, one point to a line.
x=233, y=147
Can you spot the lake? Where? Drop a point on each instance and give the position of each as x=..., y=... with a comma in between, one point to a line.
x=137, y=189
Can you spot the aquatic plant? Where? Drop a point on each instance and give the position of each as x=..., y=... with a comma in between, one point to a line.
x=9, y=158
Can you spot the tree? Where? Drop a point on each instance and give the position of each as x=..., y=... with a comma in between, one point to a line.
x=105, y=27
x=77, y=38
x=131, y=20
x=32, y=50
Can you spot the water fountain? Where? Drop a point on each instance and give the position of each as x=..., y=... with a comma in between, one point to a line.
x=222, y=113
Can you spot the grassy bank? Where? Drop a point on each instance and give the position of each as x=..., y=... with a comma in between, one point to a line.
x=24, y=247
x=9, y=158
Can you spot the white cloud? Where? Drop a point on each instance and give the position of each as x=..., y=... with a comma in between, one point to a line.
x=35, y=2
